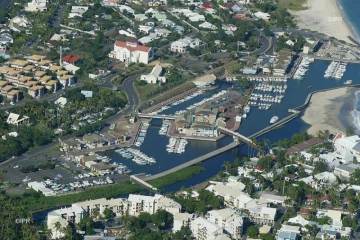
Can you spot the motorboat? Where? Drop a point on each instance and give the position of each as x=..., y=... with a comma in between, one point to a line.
x=348, y=82
x=274, y=119
x=309, y=86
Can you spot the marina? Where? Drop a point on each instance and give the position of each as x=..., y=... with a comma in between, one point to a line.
x=302, y=68
x=142, y=134
x=176, y=145
x=335, y=70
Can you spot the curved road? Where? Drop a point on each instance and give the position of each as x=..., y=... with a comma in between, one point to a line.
x=133, y=97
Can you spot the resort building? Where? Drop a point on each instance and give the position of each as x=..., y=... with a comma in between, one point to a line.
x=228, y=219
x=150, y=204
x=154, y=76
x=131, y=52
x=203, y=229
x=263, y=215
x=181, y=220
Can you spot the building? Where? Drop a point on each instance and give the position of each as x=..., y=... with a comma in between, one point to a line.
x=70, y=144
x=154, y=76
x=130, y=51
x=282, y=62
x=262, y=15
x=17, y=120
x=351, y=143
x=262, y=215
x=208, y=25
x=203, y=229
x=150, y=204
x=228, y=219
x=36, y=5
x=71, y=59
x=184, y=44
x=71, y=214
x=345, y=171
x=77, y=11
x=275, y=199
x=181, y=220
x=302, y=146
x=250, y=68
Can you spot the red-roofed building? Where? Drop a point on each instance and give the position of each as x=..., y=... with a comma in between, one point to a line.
x=206, y=6
x=310, y=200
x=71, y=59
x=228, y=5
x=132, y=51
x=259, y=169
x=305, y=211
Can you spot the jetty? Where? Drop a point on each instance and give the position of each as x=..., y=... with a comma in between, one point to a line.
x=336, y=59
x=194, y=161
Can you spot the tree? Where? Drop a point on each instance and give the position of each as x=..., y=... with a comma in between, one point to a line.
x=162, y=219
x=350, y=130
x=183, y=233
x=312, y=230
x=252, y=232
x=108, y=213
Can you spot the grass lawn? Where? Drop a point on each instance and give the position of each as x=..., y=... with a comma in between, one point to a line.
x=293, y=5
x=145, y=90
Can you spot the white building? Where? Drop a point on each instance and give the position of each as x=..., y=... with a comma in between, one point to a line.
x=228, y=194
x=182, y=45
x=131, y=51
x=263, y=215
x=123, y=8
x=229, y=220
x=154, y=76
x=77, y=11
x=345, y=171
x=275, y=199
x=262, y=15
x=181, y=220
x=208, y=25
x=17, y=120
x=36, y=5
x=150, y=204
x=71, y=214
x=290, y=43
x=61, y=101
x=203, y=229
x=351, y=143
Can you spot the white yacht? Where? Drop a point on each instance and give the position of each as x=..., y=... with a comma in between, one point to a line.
x=274, y=119
x=348, y=82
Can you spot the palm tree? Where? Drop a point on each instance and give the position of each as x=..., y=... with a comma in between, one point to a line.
x=57, y=227
x=227, y=166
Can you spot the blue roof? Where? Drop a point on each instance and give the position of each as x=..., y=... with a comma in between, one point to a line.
x=287, y=235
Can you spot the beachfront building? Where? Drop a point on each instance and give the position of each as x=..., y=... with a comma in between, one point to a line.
x=132, y=52
x=154, y=76
x=351, y=143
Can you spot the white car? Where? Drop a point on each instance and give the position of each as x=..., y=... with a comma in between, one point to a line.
x=80, y=176
x=17, y=166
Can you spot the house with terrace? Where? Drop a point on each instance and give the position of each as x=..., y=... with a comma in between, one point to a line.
x=132, y=51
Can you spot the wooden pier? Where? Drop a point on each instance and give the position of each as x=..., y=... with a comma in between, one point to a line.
x=139, y=181
x=194, y=161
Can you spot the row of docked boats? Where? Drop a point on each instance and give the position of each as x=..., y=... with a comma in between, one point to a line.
x=216, y=95
x=164, y=129
x=141, y=158
x=176, y=145
x=339, y=72
x=124, y=153
x=142, y=133
x=270, y=88
x=187, y=98
x=336, y=70
x=303, y=68
x=267, y=79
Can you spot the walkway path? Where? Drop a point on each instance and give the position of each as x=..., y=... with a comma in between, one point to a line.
x=194, y=161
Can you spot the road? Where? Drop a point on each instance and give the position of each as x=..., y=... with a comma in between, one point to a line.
x=133, y=97
x=58, y=16
x=5, y=3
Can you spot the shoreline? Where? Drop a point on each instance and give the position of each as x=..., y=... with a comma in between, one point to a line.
x=350, y=26
x=326, y=17
x=324, y=111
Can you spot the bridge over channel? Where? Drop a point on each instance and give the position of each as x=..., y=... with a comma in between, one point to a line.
x=139, y=181
x=166, y=117
x=194, y=161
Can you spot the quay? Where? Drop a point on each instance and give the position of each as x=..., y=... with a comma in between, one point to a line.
x=295, y=67
x=194, y=161
x=166, y=117
x=336, y=59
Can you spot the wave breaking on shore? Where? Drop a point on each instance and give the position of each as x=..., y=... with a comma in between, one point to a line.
x=356, y=112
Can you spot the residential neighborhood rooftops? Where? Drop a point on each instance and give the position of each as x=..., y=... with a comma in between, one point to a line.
x=70, y=58
x=303, y=145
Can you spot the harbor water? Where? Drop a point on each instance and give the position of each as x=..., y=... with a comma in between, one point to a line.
x=297, y=91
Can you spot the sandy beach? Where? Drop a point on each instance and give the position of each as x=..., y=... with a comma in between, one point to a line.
x=324, y=110
x=323, y=16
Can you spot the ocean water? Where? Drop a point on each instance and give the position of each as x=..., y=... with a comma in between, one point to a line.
x=356, y=112
x=351, y=12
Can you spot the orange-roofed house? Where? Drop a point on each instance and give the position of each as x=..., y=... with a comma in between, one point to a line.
x=71, y=59
x=132, y=52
